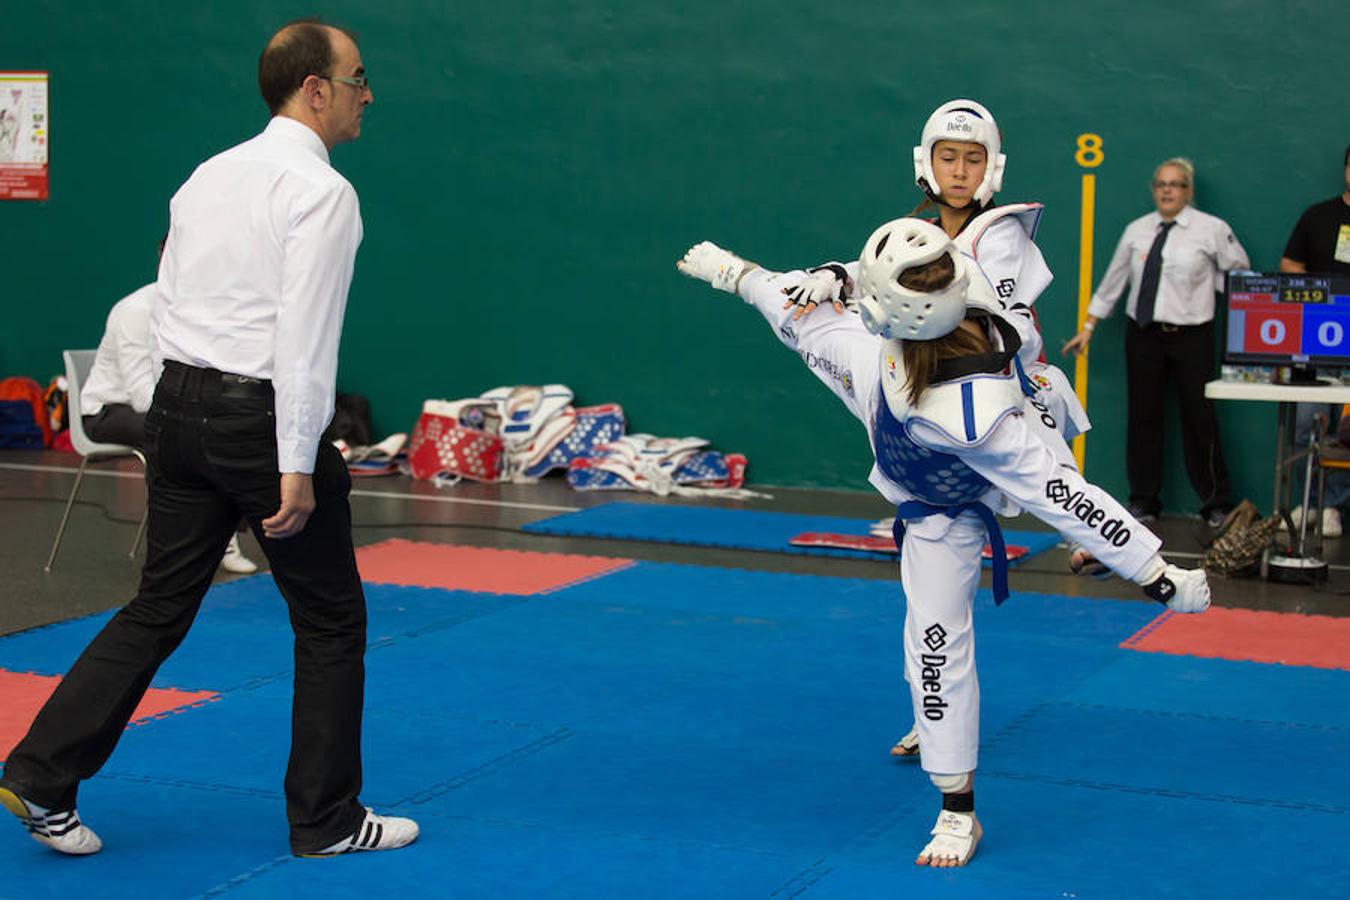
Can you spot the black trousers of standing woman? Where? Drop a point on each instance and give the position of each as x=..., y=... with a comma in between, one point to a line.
x=211, y=452
x=1183, y=355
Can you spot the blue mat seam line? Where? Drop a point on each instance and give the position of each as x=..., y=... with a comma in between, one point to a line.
x=487, y=768
x=1166, y=792
x=451, y=622
x=1208, y=717
x=638, y=837
x=1148, y=629
x=244, y=877
x=803, y=881
x=204, y=786
x=1012, y=726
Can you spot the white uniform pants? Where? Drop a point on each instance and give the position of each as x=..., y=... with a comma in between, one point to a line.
x=940, y=571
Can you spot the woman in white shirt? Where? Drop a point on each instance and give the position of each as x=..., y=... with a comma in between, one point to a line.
x=1174, y=260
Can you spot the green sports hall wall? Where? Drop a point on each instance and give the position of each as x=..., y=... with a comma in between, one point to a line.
x=530, y=171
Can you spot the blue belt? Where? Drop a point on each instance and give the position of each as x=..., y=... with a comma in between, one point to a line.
x=917, y=509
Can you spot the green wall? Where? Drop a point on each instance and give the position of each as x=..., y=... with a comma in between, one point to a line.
x=530, y=172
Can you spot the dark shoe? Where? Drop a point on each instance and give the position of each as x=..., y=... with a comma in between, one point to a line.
x=1142, y=514
x=1214, y=518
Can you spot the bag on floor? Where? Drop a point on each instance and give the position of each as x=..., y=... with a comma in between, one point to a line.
x=23, y=421
x=351, y=421
x=451, y=442
x=1243, y=538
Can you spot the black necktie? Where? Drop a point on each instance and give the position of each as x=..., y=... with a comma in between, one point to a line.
x=1148, y=282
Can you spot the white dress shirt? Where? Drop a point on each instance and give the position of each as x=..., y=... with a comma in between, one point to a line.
x=254, y=277
x=1199, y=249
x=123, y=371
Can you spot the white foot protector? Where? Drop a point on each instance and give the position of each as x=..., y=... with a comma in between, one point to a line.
x=908, y=746
x=955, y=837
x=708, y=262
x=1183, y=590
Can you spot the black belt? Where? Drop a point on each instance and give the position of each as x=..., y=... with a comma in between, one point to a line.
x=1168, y=327
x=184, y=380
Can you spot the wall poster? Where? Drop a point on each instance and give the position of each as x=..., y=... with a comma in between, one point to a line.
x=25, y=134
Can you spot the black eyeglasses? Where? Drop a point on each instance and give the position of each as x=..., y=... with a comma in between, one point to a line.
x=1175, y=185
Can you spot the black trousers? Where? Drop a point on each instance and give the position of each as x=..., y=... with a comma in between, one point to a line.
x=1183, y=355
x=211, y=451
x=116, y=423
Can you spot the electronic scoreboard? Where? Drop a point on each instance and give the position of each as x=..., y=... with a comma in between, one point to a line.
x=1302, y=321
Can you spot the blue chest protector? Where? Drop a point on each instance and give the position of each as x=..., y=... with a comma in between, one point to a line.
x=941, y=481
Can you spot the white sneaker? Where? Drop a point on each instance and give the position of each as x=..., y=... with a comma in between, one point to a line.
x=374, y=833
x=235, y=561
x=59, y=829
x=1331, y=521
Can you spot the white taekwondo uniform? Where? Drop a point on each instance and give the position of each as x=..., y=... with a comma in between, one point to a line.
x=971, y=446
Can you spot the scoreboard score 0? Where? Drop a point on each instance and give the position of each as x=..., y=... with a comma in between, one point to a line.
x=1288, y=319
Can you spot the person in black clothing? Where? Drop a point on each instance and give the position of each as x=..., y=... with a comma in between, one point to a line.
x=1320, y=243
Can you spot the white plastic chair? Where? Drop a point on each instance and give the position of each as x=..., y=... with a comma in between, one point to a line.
x=78, y=364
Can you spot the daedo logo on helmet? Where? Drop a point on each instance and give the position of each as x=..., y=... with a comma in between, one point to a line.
x=1076, y=502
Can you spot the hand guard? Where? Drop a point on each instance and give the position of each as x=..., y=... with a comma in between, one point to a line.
x=708, y=262
x=1182, y=590
x=823, y=284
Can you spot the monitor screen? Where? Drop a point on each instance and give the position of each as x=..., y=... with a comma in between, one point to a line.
x=1288, y=320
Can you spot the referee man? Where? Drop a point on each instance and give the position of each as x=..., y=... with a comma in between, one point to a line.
x=253, y=287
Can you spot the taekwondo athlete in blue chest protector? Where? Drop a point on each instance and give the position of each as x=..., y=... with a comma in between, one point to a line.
x=936, y=382
x=959, y=166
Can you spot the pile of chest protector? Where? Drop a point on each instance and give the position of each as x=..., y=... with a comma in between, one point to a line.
x=520, y=434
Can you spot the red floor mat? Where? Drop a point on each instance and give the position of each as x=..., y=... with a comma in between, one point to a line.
x=479, y=569
x=1290, y=639
x=22, y=695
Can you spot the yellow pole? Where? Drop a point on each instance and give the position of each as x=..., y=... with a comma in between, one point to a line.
x=1090, y=155
x=1080, y=371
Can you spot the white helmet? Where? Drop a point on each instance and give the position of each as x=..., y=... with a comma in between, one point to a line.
x=892, y=310
x=960, y=120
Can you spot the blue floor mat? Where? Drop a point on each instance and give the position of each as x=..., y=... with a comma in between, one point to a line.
x=740, y=529
x=681, y=731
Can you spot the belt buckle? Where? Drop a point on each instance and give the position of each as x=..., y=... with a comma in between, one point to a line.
x=1168, y=327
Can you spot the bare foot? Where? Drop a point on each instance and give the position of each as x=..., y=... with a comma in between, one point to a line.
x=1081, y=562
x=955, y=837
x=908, y=746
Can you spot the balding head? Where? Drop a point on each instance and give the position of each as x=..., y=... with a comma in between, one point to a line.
x=298, y=49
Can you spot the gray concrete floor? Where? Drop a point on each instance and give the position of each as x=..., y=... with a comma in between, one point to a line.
x=93, y=571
